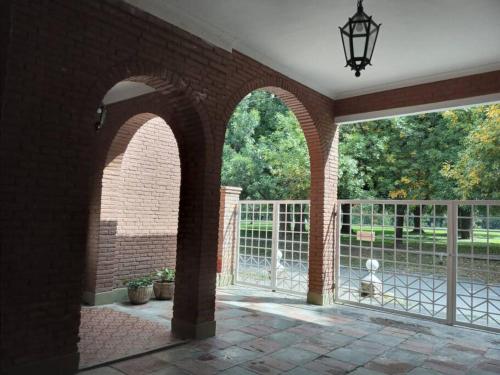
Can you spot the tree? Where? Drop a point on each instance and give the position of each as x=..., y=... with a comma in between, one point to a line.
x=421, y=145
x=265, y=151
x=268, y=106
x=408, y=157
x=477, y=169
x=447, y=155
x=361, y=151
x=286, y=157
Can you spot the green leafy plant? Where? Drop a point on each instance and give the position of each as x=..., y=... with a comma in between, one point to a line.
x=139, y=282
x=165, y=275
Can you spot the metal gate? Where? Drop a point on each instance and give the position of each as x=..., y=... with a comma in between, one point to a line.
x=438, y=259
x=273, y=249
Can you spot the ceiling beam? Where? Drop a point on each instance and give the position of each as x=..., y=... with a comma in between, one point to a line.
x=456, y=92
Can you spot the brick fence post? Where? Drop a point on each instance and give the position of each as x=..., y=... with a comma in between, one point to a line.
x=227, y=245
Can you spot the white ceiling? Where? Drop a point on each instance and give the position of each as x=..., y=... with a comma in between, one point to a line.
x=125, y=90
x=420, y=40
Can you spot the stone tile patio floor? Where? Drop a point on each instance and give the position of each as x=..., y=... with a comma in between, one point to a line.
x=119, y=331
x=260, y=332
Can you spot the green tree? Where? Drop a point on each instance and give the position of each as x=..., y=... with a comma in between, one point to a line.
x=268, y=106
x=286, y=158
x=477, y=169
x=265, y=151
x=362, y=148
x=362, y=159
x=447, y=155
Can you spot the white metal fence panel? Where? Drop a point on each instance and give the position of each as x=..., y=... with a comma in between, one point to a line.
x=274, y=244
x=293, y=247
x=255, y=243
x=478, y=264
x=437, y=259
x=409, y=259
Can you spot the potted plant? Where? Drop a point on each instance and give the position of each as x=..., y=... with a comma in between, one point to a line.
x=163, y=286
x=140, y=290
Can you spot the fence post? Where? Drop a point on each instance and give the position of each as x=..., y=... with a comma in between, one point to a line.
x=336, y=251
x=236, y=250
x=452, y=262
x=274, y=246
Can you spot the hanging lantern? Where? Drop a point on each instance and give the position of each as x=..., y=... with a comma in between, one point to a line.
x=359, y=35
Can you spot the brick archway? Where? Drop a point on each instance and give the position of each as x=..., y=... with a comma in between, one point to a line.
x=133, y=212
x=184, y=112
x=187, y=100
x=321, y=136
x=50, y=146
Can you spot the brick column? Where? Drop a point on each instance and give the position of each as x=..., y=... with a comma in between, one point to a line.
x=323, y=226
x=196, y=265
x=227, y=245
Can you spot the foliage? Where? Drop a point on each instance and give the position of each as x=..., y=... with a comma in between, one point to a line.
x=140, y=282
x=265, y=151
x=477, y=170
x=447, y=155
x=362, y=149
x=165, y=275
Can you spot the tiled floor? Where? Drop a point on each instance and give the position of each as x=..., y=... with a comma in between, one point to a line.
x=270, y=333
x=120, y=330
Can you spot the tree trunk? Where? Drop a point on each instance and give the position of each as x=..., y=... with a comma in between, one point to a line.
x=464, y=224
x=346, y=219
x=299, y=226
x=416, y=220
x=400, y=221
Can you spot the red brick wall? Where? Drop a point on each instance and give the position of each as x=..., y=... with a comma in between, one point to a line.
x=4, y=43
x=440, y=91
x=134, y=221
x=149, y=202
x=139, y=203
x=64, y=57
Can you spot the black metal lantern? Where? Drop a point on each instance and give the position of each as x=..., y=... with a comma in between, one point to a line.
x=101, y=116
x=359, y=35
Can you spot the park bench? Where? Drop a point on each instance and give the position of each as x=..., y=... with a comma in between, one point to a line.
x=365, y=236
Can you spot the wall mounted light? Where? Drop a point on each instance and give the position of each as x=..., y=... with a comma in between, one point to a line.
x=101, y=116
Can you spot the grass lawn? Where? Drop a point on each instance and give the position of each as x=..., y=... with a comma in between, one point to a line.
x=481, y=242
x=432, y=239
x=249, y=225
x=416, y=253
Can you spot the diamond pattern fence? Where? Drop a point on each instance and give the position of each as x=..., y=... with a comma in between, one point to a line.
x=439, y=259
x=273, y=247
x=478, y=264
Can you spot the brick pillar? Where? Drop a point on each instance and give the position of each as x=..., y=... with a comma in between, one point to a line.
x=323, y=226
x=196, y=263
x=228, y=225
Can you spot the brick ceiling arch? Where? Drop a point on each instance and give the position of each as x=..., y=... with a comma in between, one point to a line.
x=185, y=102
x=312, y=121
x=126, y=133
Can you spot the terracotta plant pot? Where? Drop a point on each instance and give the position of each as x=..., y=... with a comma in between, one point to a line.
x=140, y=295
x=163, y=290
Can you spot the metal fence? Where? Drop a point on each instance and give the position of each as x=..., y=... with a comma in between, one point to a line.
x=439, y=259
x=433, y=258
x=273, y=246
